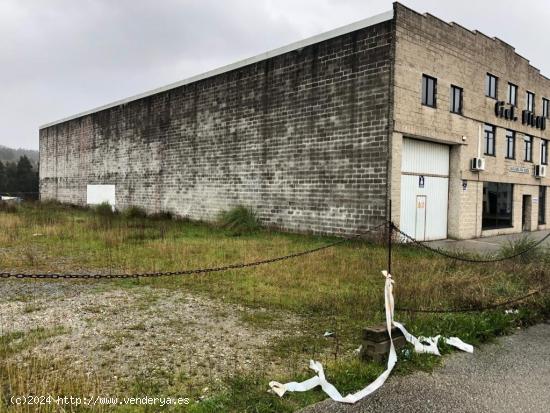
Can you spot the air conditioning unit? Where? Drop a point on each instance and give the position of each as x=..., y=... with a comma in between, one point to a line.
x=540, y=171
x=477, y=164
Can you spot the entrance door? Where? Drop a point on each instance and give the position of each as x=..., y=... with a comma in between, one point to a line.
x=420, y=224
x=526, y=213
x=424, y=189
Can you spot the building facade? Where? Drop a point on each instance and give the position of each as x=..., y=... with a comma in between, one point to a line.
x=319, y=136
x=460, y=95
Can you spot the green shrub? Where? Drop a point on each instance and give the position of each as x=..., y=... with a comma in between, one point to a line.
x=525, y=243
x=162, y=216
x=239, y=220
x=104, y=210
x=9, y=207
x=52, y=204
x=545, y=306
x=134, y=212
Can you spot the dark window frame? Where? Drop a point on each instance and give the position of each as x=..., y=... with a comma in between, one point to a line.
x=492, y=217
x=514, y=87
x=542, y=205
x=488, y=148
x=528, y=148
x=454, y=109
x=530, y=101
x=491, y=86
x=510, y=137
x=544, y=151
x=425, y=98
x=545, y=103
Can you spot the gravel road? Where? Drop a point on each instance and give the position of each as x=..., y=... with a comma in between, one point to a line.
x=511, y=375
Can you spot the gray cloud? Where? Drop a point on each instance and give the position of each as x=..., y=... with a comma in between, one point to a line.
x=60, y=57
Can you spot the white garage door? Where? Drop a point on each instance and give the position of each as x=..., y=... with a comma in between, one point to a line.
x=424, y=189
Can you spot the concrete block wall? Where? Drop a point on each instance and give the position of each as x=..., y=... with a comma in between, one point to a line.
x=395, y=176
x=301, y=138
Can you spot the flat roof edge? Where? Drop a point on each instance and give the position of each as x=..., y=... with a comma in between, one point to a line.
x=361, y=24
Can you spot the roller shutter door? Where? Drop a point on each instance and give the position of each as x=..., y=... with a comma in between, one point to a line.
x=424, y=189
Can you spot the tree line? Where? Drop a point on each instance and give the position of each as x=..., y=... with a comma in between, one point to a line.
x=12, y=155
x=19, y=178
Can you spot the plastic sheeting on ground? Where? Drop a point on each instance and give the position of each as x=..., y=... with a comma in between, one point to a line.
x=421, y=345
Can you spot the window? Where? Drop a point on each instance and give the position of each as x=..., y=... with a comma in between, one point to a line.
x=530, y=102
x=489, y=140
x=512, y=94
x=528, y=142
x=491, y=86
x=510, y=144
x=497, y=205
x=456, y=99
x=542, y=205
x=545, y=107
x=544, y=152
x=429, y=86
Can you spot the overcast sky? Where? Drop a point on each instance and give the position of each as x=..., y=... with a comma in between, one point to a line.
x=61, y=57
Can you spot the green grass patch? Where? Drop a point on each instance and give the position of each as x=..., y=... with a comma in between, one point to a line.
x=338, y=289
x=17, y=341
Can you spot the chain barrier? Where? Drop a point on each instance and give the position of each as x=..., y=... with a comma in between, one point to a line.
x=393, y=227
x=471, y=260
x=190, y=271
x=468, y=259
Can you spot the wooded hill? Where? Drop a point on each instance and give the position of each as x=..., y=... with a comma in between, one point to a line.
x=13, y=155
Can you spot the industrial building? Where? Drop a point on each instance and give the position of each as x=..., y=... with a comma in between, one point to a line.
x=318, y=136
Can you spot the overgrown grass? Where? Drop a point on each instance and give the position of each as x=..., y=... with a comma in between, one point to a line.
x=134, y=212
x=239, y=220
x=337, y=289
x=526, y=245
x=106, y=210
x=16, y=341
x=8, y=207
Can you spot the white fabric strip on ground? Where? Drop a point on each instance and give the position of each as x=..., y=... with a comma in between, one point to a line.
x=422, y=345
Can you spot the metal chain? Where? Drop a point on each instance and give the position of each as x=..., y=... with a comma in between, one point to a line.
x=466, y=259
x=392, y=226
x=185, y=272
x=471, y=260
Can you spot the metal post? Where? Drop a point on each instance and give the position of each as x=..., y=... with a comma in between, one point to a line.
x=390, y=233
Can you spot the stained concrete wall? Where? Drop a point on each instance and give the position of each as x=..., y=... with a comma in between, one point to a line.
x=302, y=138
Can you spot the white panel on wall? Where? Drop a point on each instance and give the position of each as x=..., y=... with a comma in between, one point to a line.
x=98, y=194
x=424, y=157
